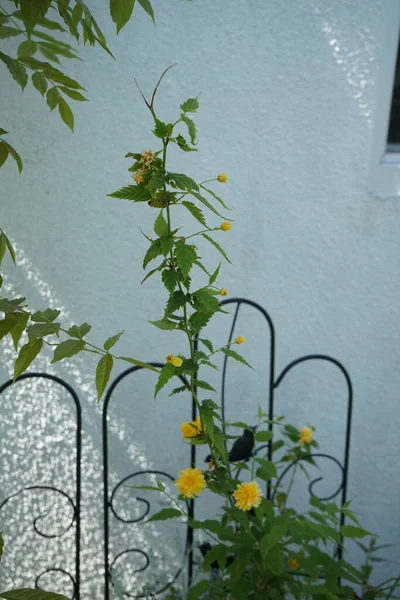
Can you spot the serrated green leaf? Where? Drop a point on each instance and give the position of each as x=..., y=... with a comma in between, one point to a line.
x=165, y=513
x=26, y=356
x=217, y=246
x=161, y=129
x=179, y=390
x=351, y=531
x=204, y=385
x=121, y=11
x=74, y=94
x=205, y=302
x=185, y=256
x=145, y=4
x=79, y=331
x=161, y=226
x=214, y=276
x=167, y=372
x=267, y=469
x=16, y=69
x=103, y=372
x=7, y=324
x=236, y=356
x=181, y=181
x=207, y=344
x=195, y=211
x=40, y=82
x=190, y=105
x=198, y=589
x=263, y=436
x=164, y=324
x=7, y=305
x=170, y=279
x=108, y=344
x=42, y=329
x=183, y=145
x=202, y=267
x=27, y=48
x=29, y=594
x=53, y=98
x=150, y=273
x=66, y=113
x=152, y=253
x=19, y=328
x=198, y=320
x=67, y=349
x=191, y=127
x=136, y=193
x=3, y=246
x=3, y=152
x=175, y=301
x=207, y=204
x=45, y=316
x=138, y=363
x=214, y=195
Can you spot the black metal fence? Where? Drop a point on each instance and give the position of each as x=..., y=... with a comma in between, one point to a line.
x=111, y=514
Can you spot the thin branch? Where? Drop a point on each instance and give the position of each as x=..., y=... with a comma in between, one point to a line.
x=143, y=96
x=158, y=83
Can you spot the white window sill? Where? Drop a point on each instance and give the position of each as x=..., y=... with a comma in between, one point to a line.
x=384, y=180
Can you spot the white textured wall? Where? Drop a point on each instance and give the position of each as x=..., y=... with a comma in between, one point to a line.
x=287, y=110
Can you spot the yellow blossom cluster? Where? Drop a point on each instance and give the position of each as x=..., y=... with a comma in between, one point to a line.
x=247, y=495
x=146, y=158
x=191, y=482
x=305, y=435
x=190, y=430
x=175, y=360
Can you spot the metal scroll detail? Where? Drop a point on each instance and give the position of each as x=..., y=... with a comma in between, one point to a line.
x=70, y=506
x=139, y=554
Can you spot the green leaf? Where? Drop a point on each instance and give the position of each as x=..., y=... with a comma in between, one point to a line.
x=191, y=105
x=207, y=204
x=204, y=385
x=29, y=594
x=16, y=69
x=165, y=513
x=79, y=331
x=136, y=193
x=205, y=302
x=15, y=156
x=199, y=588
x=74, y=94
x=59, y=77
x=154, y=250
x=236, y=356
x=198, y=320
x=214, y=276
x=121, y=11
x=27, y=48
x=161, y=130
x=267, y=470
x=67, y=349
x=42, y=329
x=217, y=553
x=53, y=98
x=263, y=436
x=217, y=246
x=214, y=195
x=175, y=301
x=7, y=324
x=8, y=31
x=191, y=127
x=45, y=316
x=351, y=531
x=3, y=246
x=26, y=356
x=138, y=363
x=66, y=113
x=167, y=372
x=160, y=225
x=108, y=344
x=10, y=249
x=185, y=256
x=7, y=305
x=32, y=12
x=195, y=211
x=19, y=328
x=183, y=145
x=3, y=152
x=150, y=273
x=170, y=279
x=145, y=4
x=103, y=372
x=164, y=324
x=179, y=390
x=181, y=181
x=40, y=82
x=207, y=344
x=1, y=544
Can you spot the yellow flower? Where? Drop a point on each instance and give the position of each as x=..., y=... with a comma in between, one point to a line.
x=222, y=177
x=247, y=495
x=146, y=158
x=305, y=436
x=293, y=564
x=226, y=226
x=240, y=339
x=190, y=482
x=191, y=429
x=175, y=360
x=138, y=175
x=223, y=292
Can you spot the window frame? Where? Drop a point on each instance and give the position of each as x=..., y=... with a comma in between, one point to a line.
x=384, y=172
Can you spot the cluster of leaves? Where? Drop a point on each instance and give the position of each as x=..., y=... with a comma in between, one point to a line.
x=40, y=53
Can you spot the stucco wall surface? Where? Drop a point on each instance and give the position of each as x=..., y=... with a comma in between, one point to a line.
x=287, y=111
